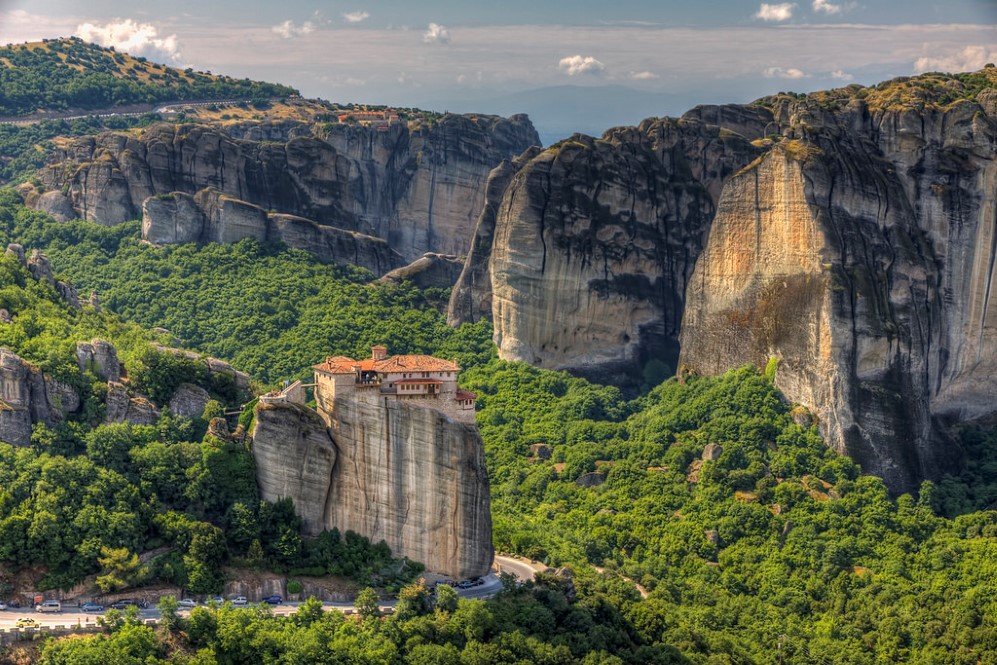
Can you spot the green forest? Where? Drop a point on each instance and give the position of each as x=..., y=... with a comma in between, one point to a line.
x=752, y=540
x=61, y=74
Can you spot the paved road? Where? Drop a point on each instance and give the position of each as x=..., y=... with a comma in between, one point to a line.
x=132, y=110
x=72, y=617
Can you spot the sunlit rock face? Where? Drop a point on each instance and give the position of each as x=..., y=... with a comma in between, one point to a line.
x=386, y=469
x=860, y=254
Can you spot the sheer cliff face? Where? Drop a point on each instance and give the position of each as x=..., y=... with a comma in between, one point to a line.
x=858, y=247
x=420, y=187
x=861, y=256
x=387, y=470
x=594, y=242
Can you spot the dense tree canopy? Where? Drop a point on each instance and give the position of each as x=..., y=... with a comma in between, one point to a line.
x=61, y=74
x=767, y=548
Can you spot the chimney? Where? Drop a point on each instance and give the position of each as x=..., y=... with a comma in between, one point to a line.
x=378, y=352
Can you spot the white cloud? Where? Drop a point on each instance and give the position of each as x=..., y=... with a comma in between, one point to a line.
x=138, y=39
x=289, y=29
x=826, y=7
x=355, y=17
x=840, y=75
x=970, y=58
x=436, y=34
x=781, y=73
x=780, y=12
x=580, y=64
x=644, y=76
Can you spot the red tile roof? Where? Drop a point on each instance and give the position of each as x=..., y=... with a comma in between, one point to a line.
x=466, y=394
x=393, y=364
x=413, y=363
x=337, y=365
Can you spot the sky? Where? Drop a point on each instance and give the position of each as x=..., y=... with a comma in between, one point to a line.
x=574, y=65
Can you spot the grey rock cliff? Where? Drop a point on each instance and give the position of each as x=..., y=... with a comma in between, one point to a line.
x=860, y=253
x=296, y=458
x=417, y=186
x=438, y=271
x=102, y=357
x=387, y=470
x=471, y=299
x=594, y=243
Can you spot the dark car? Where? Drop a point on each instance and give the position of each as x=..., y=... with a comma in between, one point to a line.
x=125, y=603
x=466, y=584
x=91, y=607
x=273, y=600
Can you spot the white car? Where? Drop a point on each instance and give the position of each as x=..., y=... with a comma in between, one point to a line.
x=239, y=600
x=187, y=603
x=3, y=606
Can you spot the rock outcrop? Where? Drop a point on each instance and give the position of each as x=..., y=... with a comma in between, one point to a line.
x=594, y=244
x=431, y=271
x=295, y=457
x=860, y=254
x=855, y=245
x=122, y=407
x=386, y=469
x=210, y=216
x=419, y=186
x=188, y=400
x=27, y=396
x=101, y=357
x=471, y=299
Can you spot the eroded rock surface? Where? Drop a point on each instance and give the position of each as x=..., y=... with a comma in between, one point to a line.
x=594, y=243
x=859, y=253
x=419, y=186
x=387, y=470
x=436, y=271
x=100, y=356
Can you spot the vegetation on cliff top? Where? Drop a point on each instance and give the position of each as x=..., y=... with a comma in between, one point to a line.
x=61, y=74
x=930, y=90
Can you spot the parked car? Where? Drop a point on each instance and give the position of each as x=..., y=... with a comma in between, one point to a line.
x=273, y=600
x=239, y=600
x=466, y=584
x=187, y=603
x=49, y=606
x=91, y=607
x=125, y=603
x=216, y=599
x=477, y=581
x=3, y=606
x=26, y=622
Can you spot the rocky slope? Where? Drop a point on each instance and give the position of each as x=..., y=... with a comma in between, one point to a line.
x=419, y=185
x=387, y=470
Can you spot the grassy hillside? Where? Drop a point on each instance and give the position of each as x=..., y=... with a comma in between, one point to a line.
x=61, y=74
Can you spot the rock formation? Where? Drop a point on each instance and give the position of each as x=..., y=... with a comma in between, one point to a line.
x=419, y=186
x=122, y=407
x=27, y=396
x=210, y=216
x=295, y=457
x=188, y=400
x=471, y=299
x=436, y=271
x=859, y=252
x=100, y=356
x=855, y=245
x=386, y=469
x=594, y=244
